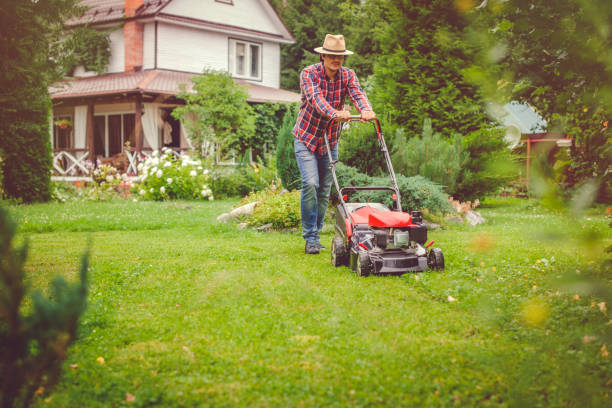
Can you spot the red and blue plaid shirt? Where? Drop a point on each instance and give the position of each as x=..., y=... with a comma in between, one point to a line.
x=321, y=98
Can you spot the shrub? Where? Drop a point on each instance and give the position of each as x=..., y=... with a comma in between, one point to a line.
x=276, y=207
x=106, y=181
x=358, y=147
x=417, y=192
x=287, y=167
x=170, y=176
x=490, y=165
x=268, y=120
x=431, y=156
x=33, y=346
x=228, y=181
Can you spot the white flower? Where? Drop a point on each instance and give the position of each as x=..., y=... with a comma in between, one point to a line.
x=184, y=163
x=169, y=180
x=151, y=190
x=203, y=192
x=124, y=176
x=162, y=189
x=166, y=149
x=140, y=166
x=143, y=178
x=205, y=172
x=193, y=173
x=109, y=179
x=211, y=198
x=153, y=170
x=204, y=186
x=142, y=192
x=167, y=164
x=155, y=153
x=159, y=173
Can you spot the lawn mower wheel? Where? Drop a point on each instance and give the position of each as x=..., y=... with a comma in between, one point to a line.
x=435, y=259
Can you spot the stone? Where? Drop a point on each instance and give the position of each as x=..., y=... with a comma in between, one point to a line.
x=224, y=217
x=474, y=217
x=242, y=226
x=264, y=227
x=431, y=225
x=246, y=209
x=455, y=219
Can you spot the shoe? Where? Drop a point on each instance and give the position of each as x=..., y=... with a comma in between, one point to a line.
x=320, y=246
x=311, y=248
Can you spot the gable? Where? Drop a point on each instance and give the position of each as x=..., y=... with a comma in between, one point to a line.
x=255, y=15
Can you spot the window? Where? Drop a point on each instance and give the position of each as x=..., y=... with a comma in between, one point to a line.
x=111, y=132
x=245, y=59
x=62, y=132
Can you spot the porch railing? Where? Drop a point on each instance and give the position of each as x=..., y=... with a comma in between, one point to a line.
x=72, y=163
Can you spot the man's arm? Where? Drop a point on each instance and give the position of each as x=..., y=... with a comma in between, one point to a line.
x=359, y=98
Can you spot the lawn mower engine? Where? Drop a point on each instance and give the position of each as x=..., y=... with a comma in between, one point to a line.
x=372, y=239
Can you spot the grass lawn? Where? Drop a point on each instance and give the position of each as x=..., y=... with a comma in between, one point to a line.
x=188, y=312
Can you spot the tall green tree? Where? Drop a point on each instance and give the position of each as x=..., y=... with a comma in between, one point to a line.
x=308, y=21
x=557, y=56
x=418, y=73
x=217, y=112
x=27, y=67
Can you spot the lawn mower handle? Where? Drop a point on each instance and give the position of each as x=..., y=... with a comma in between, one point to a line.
x=383, y=148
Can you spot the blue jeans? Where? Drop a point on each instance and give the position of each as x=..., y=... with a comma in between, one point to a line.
x=316, y=185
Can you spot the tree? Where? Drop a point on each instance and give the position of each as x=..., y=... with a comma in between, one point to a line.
x=556, y=56
x=419, y=72
x=286, y=163
x=217, y=112
x=27, y=29
x=33, y=346
x=308, y=21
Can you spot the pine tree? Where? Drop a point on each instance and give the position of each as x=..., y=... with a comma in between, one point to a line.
x=33, y=347
x=286, y=163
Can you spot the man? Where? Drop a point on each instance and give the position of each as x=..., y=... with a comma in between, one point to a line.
x=324, y=87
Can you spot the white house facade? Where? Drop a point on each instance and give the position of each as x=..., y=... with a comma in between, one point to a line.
x=157, y=45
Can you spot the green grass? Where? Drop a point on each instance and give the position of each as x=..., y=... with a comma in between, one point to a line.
x=188, y=312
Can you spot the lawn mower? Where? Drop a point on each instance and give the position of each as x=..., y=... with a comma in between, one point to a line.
x=373, y=239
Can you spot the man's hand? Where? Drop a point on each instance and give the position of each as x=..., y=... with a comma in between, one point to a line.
x=343, y=116
x=367, y=116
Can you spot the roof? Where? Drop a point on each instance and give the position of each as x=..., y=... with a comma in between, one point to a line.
x=101, y=12
x=106, y=11
x=524, y=117
x=155, y=81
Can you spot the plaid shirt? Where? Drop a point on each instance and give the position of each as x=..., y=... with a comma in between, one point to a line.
x=321, y=98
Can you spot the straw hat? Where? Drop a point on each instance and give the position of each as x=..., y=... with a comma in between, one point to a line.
x=334, y=45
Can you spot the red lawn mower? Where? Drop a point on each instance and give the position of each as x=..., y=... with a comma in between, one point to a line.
x=373, y=239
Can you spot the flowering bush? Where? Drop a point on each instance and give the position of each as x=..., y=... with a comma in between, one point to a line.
x=106, y=182
x=171, y=176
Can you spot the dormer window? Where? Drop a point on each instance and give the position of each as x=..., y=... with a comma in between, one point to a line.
x=245, y=59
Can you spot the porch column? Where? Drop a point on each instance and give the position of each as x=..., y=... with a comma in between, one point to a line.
x=138, y=124
x=90, y=133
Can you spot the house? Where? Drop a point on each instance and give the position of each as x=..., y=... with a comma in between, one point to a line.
x=157, y=45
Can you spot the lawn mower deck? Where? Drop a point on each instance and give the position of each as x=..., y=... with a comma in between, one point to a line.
x=375, y=240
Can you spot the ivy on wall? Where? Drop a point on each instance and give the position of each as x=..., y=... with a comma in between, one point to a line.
x=87, y=47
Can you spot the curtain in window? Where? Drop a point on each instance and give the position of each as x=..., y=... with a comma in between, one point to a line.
x=80, y=127
x=149, y=125
x=185, y=137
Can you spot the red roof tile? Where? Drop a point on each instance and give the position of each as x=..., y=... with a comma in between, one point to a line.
x=154, y=82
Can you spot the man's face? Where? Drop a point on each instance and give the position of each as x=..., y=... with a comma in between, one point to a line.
x=332, y=62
